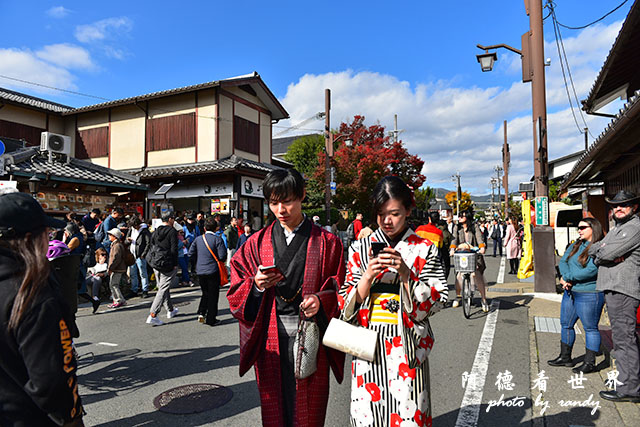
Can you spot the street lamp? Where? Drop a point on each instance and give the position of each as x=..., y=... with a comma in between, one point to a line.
x=486, y=60
x=533, y=63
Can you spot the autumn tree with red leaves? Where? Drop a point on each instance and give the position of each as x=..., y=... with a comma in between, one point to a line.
x=371, y=156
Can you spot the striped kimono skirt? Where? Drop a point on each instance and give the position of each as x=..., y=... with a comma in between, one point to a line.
x=386, y=392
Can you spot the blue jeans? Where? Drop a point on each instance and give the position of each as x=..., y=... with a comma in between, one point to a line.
x=139, y=269
x=587, y=306
x=183, y=261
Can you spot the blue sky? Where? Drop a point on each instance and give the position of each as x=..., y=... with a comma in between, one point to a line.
x=415, y=59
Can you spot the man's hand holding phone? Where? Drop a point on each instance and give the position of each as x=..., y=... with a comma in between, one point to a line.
x=267, y=276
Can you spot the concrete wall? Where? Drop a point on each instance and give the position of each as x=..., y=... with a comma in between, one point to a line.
x=225, y=121
x=23, y=116
x=176, y=156
x=206, y=119
x=265, y=138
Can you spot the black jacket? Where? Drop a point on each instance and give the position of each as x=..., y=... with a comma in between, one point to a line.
x=163, y=254
x=37, y=368
x=143, y=242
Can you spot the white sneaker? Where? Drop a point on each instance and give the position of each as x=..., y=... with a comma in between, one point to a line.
x=173, y=313
x=201, y=318
x=455, y=303
x=154, y=321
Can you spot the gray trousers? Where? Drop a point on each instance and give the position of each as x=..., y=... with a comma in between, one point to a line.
x=163, y=297
x=114, y=284
x=622, y=313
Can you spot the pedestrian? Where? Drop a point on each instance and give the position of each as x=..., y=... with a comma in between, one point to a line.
x=200, y=220
x=393, y=293
x=231, y=232
x=98, y=274
x=91, y=221
x=191, y=230
x=580, y=299
x=496, y=236
x=430, y=231
x=117, y=268
x=163, y=258
x=140, y=238
x=447, y=238
x=289, y=269
x=467, y=236
x=256, y=223
x=512, y=247
x=207, y=250
x=109, y=223
x=366, y=231
x=316, y=220
x=618, y=259
x=183, y=258
x=245, y=236
x=38, y=368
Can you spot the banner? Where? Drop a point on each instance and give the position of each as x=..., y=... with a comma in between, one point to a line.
x=525, y=270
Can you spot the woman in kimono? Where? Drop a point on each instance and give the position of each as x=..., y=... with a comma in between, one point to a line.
x=393, y=294
x=512, y=245
x=287, y=269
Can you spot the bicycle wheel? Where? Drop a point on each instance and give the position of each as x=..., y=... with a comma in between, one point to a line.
x=467, y=296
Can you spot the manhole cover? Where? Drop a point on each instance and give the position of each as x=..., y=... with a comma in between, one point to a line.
x=181, y=304
x=192, y=398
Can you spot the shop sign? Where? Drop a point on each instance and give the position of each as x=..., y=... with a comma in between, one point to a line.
x=542, y=210
x=9, y=184
x=200, y=190
x=220, y=206
x=251, y=187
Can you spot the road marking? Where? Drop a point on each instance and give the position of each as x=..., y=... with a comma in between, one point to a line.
x=501, y=271
x=108, y=344
x=470, y=407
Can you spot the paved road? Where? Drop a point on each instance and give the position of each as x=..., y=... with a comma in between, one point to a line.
x=125, y=364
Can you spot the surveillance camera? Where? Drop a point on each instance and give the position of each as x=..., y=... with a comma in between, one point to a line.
x=547, y=62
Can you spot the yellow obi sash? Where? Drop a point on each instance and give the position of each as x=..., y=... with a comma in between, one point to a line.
x=385, y=303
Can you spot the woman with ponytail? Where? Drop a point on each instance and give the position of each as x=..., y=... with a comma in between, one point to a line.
x=38, y=383
x=580, y=299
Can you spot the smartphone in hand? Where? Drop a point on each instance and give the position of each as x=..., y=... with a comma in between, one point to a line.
x=266, y=269
x=377, y=247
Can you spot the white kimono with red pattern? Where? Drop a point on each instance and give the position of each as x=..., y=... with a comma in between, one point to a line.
x=393, y=390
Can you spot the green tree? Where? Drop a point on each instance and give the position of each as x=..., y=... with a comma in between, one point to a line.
x=424, y=196
x=303, y=153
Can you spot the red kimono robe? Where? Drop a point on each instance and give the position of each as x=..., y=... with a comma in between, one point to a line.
x=323, y=276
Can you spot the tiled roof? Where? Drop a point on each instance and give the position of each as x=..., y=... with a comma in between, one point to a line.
x=32, y=101
x=595, y=150
x=30, y=161
x=227, y=164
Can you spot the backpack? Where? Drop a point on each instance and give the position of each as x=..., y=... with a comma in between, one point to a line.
x=129, y=258
x=158, y=256
x=99, y=234
x=351, y=234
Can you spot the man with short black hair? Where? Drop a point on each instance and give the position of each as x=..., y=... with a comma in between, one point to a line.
x=288, y=268
x=618, y=259
x=140, y=239
x=163, y=258
x=110, y=223
x=231, y=232
x=91, y=221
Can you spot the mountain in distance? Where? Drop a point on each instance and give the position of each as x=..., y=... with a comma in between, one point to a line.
x=441, y=192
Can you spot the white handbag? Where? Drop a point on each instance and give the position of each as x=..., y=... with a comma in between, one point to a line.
x=354, y=340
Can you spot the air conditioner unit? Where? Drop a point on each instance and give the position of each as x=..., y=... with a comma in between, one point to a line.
x=55, y=143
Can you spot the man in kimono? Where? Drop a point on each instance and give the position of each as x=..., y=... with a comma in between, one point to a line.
x=306, y=269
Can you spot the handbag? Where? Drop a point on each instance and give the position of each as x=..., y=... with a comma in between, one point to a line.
x=224, y=276
x=354, y=340
x=305, y=348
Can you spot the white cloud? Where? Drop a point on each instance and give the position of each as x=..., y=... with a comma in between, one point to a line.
x=58, y=12
x=66, y=56
x=102, y=30
x=25, y=65
x=460, y=128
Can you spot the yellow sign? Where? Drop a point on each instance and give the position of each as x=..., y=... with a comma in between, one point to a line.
x=525, y=269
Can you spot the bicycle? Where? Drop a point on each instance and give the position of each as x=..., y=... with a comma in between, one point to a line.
x=465, y=263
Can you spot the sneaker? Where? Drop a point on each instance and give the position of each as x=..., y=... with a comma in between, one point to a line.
x=455, y=303
x=485, y=306
x=145, y=294
x=201, y=318
x=154, y=321
x=173, y=313
x=115, y=305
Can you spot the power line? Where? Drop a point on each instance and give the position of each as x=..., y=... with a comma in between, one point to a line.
x=594, y=22
x=54, y=88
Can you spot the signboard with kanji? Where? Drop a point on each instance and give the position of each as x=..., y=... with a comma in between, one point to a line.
x=542, y=210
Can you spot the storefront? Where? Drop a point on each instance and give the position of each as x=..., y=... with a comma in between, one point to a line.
x=252, y=203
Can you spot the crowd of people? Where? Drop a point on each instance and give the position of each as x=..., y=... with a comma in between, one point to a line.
x=393, y=279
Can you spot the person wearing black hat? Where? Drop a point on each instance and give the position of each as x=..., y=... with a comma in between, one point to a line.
x=38, y=382
x=618, y=259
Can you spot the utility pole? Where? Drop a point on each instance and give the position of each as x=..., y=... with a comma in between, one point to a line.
x=586, y=138
x=458, y=192
x=498, y=170
x=395, y=128
x=506, y=159
x=328, y=150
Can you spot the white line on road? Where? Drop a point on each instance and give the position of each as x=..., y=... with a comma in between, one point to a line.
x=470, y=407
x=108, y=344
x=501, y=271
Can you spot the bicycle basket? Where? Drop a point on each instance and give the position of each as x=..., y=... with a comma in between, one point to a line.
x=464, y=262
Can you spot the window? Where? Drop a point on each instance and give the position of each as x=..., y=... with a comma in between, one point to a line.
x=246, y=135
x=92, y=143
x=170, y=132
